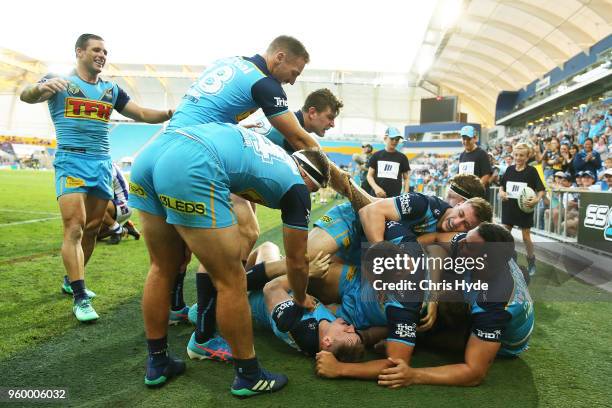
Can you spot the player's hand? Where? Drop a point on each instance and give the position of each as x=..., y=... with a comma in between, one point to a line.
x=399, y=375
x=319, y=265
x=53, y=85
x=380, y=192
x=327, y=365
x=309, y=303
x=503, y=195
x=427, y=322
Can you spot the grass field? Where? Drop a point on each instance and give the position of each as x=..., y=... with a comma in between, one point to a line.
x=569, y=363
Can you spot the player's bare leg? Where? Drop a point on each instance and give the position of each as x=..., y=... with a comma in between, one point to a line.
x=95, y=208
x=218, y=252
x=166, y=253
x=247, y=223
x=108, y=221
x=72, y=209
x=81, y=217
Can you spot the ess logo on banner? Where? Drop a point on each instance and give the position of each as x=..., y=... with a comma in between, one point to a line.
x=599, y=217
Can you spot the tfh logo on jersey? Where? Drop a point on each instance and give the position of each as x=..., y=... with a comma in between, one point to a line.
x=281, y=102
x=79, y=108
x=404, y=330
x=599, y=217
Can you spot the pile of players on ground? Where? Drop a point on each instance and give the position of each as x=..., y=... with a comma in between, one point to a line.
x=364, y=298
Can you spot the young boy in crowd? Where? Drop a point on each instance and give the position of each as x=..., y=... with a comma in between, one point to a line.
x=515, y=179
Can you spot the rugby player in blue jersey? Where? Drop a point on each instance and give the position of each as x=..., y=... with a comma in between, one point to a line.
x=317, y=116
x=273, y=308
x=501, y=323
x=341, y=231
x=81, y=105
x=181, y=184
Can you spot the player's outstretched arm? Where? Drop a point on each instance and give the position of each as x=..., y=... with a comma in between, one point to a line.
x=479, y=356
x=140, y=114
x=373, y=217
x=41, y=92
x=329, y=367
x=289, y=126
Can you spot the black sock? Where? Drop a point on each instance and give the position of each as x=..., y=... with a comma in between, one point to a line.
x=256, y=277
x=78, y=289
x=176, y=299
x=248, y=368
x=207, y=302
x=158, y=348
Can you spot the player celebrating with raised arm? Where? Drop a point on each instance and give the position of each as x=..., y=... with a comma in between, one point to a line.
x=81, y=105
x=183, y=182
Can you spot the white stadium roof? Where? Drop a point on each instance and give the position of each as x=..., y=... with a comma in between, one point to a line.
x=380, y=57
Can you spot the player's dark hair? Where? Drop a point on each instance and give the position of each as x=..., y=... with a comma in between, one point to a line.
x=499, y=243
x=321, y=99
x=349, y=353
x=292, y=46
x=81, y=42
x=320, y=161
x=467, y=185
x=482, y=208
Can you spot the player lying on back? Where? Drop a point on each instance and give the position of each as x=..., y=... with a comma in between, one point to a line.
x=273, y=308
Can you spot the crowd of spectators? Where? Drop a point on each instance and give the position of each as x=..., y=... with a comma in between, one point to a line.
x=573, y=148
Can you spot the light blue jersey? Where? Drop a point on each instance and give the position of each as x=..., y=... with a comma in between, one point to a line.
x=187, y=177
x=81, y=114
x=264, y=127
x=515, y=335
x=360, y=306
x=229, y=91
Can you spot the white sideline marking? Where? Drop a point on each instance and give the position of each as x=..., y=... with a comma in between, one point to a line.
x=28, y=212
x=10, y=224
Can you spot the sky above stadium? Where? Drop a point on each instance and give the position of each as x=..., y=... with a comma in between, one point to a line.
x=380, y=35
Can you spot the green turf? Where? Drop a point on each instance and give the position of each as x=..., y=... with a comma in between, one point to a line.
x=102, y=364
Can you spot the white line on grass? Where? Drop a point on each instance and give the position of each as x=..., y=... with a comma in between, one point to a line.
x=28, y=212
x=10, y=224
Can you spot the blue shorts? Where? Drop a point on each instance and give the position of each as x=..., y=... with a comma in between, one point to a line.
x=342, y=224
x=179, y=179
x=80, y=173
